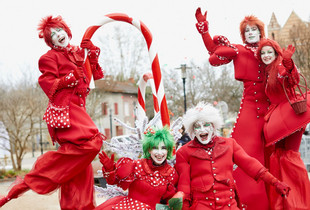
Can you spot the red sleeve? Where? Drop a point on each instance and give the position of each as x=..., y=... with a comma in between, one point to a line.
x=171, y=188
x=183, y=168
x=124, y=172
x=50, y=81
x=248, y=164
x=93, y=56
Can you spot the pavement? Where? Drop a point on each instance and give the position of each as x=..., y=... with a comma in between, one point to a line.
x=33, y=201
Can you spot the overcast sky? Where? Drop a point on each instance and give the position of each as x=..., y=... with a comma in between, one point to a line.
x=171, y=22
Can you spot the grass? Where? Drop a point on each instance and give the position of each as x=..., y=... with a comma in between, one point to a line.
x=7, y=174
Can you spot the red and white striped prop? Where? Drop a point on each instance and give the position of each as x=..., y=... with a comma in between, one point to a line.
x=144, y=80
x=159, y=86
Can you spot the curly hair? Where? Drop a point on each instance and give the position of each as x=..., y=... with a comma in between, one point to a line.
x=202, y=112
x=49, y=22
x=151, y=140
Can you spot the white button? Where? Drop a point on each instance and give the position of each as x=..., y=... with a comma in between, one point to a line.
x=217, y=199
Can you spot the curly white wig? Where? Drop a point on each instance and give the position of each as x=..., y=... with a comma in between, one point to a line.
x=202, y=112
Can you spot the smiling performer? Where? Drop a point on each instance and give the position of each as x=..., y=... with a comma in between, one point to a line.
x=283, y=127
x=64, y=81
x=205, y=164
x=248, y=130
x=148, y=180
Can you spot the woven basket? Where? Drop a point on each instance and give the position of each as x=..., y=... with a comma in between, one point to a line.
x=299, y=103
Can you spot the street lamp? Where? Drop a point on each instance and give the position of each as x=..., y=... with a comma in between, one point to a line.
x=183, y=75
x=111, y=126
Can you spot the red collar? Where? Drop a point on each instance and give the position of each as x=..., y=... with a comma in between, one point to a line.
x=148, y=166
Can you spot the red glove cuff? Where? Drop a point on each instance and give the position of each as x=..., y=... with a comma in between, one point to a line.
x=68, y=81
x=288, y=64
x=202, y=27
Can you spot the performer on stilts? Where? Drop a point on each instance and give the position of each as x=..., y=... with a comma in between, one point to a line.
x=283, y=127
x=248, y=130
x=66, y=85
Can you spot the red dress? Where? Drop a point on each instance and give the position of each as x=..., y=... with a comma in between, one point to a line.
x=206, y=173
x=283, y=126
x=147, y=184
x=248, y=130
x=70, y=166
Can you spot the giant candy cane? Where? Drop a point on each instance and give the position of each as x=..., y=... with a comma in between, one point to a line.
x=152, y=54
x=146, y=77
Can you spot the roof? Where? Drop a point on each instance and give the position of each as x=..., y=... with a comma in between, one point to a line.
x=117, y=86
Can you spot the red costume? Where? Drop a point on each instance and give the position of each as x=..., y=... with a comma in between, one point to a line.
x=248, y=130
x=69, y=168
x=284, y=128
x=147, y=184
x=205, y=172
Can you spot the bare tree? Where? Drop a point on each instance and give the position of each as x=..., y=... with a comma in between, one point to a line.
x=21, y=109
x=124, y=52
x=204, y=83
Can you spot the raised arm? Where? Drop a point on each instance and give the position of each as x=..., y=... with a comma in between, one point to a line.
x=93, y=55
x=202, y=26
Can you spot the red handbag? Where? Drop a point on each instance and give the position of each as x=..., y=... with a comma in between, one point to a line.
x=57, y=116
x=299, y=100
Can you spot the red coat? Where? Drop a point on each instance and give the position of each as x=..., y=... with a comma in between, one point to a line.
x=248, y=130
x=146, y=184
x=207, y=179
x=54, y=66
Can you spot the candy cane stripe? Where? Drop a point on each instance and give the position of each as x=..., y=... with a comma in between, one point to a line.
x=158, y=92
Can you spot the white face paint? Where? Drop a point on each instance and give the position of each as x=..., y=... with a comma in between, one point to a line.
x=59, y=37
x=267, y=54
x=159, y=153
x=252, y=34
x=204, y=131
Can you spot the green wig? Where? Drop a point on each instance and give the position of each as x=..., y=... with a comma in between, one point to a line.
x=153, y=137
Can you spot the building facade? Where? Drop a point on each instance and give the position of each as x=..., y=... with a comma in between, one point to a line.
x=116, y=100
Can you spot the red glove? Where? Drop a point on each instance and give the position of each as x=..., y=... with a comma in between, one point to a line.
x=202, y=25
x=107, y=163
x=282, y=188
x=287, y=57
x=199, y=16
x=86, y=43
x=78, y=72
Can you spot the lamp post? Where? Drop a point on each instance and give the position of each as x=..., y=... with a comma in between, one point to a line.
x=111, y=128
x=183, y=75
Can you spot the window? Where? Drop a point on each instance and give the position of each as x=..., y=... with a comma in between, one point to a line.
x=119, y=131
x=107, y=133
x=126, y=108
x=115, y=108
x=104, y=107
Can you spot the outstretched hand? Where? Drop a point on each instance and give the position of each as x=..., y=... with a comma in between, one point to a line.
x=107, y=163
x=288, y=53
x=199, y=16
